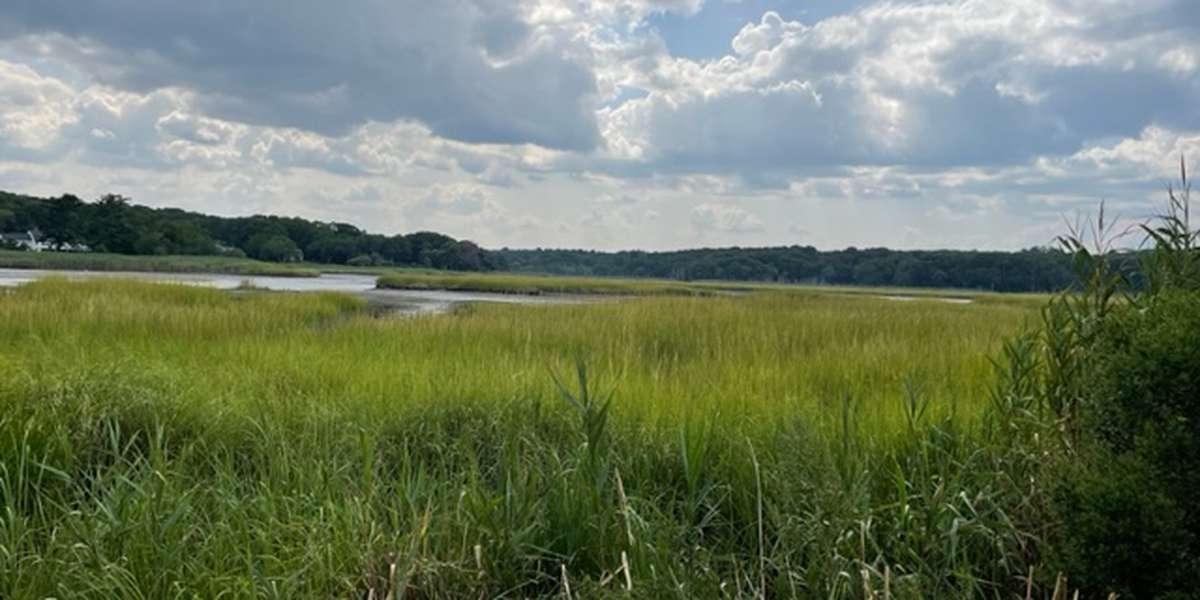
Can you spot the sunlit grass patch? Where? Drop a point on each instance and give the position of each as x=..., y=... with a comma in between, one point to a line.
x=157, y=438
x=94, y=261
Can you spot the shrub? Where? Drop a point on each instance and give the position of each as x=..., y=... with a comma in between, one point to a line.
x=1145, y=393
x=1125, y=387
x=1120, y=531
x=1127, y=526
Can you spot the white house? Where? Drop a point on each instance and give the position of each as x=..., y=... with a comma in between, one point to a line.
x=26, y=240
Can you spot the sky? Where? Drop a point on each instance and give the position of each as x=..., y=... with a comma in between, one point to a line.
x=612, y=124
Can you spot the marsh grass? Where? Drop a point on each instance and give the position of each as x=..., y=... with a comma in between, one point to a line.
x=160, y=440
x=95, y=261
x=514, y=283
x=505, y=283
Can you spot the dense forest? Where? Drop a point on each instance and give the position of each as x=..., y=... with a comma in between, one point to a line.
x=1036, y=269
x=114, y=224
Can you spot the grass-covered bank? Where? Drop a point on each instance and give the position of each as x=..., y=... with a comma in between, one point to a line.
x=507, y=283
x=161, y=439
x=93, y=261
x=515, y=283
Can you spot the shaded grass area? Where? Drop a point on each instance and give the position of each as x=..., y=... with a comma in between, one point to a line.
x=158, y=440
x=503, y=283
x=926, y=293
x=94, y=261
x=510, y=283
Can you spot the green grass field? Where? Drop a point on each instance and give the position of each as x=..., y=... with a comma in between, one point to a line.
x=94, y=261
x=511, y=283
x=519, y=283
x=161, y=440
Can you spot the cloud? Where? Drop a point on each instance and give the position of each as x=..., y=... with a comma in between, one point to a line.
x=457, y=199
x=1149, y=156
x=627, y=12
x=725, y=218
x=930, y=84
x=470, y=211
x=471, y=70
x=798, y=229
x=569, y=122
x=33, y=109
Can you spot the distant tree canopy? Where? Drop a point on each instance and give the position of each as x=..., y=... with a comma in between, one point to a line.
x=114, y=224
x=1035, y=269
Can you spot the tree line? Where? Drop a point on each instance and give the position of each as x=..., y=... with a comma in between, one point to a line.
x=1031, y=270
x=114, y=224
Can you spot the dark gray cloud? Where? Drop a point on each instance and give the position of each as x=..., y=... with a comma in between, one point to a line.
x=472, y=70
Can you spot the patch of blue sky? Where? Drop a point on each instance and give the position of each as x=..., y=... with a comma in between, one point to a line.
x=626, y=93
x=708, y=33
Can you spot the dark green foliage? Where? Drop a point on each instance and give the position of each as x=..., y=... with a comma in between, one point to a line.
x=273, y=248
x=332, y=249
x=1129, y=518
x=114, y=225
x=1115, y=372
x=58, y=218
x=1121, y=531
x=1145, y=393
x=182, y=237
x=1129, y=515
x=110, y=228
x=363, y=260
x=1035, y=269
